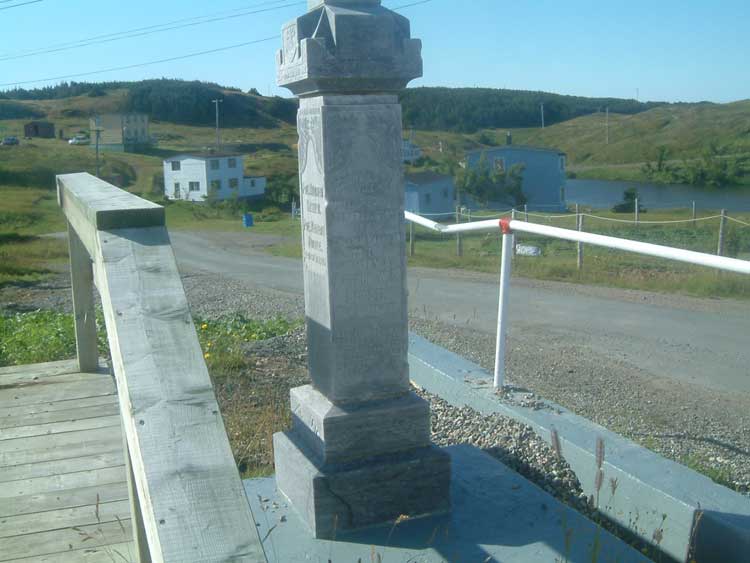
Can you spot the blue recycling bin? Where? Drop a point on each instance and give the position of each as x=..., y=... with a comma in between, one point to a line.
x=247, y=220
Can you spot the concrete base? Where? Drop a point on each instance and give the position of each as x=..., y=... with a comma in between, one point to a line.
x=333, y=498
x=496, y=515
x=341, y=434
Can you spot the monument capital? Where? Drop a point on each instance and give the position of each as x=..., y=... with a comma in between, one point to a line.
x=348, y=47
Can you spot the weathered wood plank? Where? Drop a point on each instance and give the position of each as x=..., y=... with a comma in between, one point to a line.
x=59, y=427
x=53, y=441
x=66, y=539
x=37, y=381
x=62, y=482
x=61, y=466
x=58, y=417
x=64, y=518
x=57, y=500
x=54, y=408
x=43, y=370
x=171, y=417
x=84, y=313
x=91, y=204
x=95, y=386
x=117, y=553
x=67, y=451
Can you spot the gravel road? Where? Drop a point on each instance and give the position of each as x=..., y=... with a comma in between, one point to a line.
x=690, y=423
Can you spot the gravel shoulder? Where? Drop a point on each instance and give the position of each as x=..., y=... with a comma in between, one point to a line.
x=707, y=429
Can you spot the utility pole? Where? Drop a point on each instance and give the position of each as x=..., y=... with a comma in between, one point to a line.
x=98, y=132
x=218, y=137
x=542, y=106
x=607, y=125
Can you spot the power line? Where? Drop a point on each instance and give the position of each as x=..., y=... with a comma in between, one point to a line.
x=150, y=30
x=138, y=65
x=134, y=30
x=23, y=4
x=170, y=59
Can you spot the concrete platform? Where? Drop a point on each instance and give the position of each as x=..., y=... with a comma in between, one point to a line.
x=497, y=516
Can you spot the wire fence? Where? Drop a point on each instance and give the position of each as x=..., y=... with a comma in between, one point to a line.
x=719, y=234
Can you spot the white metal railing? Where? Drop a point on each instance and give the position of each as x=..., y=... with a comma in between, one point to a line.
x=510, y=226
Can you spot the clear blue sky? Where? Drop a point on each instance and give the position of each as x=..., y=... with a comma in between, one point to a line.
x=669, y=50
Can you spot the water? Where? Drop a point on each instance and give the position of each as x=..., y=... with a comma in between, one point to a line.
x=601, y=194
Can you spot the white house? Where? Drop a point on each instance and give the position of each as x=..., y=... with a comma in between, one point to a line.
x=192, y=177
x=120, y=132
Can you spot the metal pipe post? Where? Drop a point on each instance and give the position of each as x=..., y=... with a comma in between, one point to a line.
x=502, y=310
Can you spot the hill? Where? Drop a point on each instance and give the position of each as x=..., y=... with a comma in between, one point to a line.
x=464, y=110
x=468, y=110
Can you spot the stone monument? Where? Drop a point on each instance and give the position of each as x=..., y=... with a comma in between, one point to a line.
x=359, y=450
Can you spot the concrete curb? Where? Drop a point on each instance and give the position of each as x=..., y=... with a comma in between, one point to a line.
x=652, y=493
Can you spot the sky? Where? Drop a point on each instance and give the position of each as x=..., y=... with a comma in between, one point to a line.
x=658, y=50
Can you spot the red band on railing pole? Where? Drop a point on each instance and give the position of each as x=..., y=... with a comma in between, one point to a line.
x=505, y=226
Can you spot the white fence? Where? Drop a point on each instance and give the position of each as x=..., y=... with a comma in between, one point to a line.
x=510, y=226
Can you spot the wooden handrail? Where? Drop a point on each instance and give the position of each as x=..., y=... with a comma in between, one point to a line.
x=191, y=505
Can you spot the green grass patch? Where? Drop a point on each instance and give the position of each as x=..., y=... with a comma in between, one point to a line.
x=41, y=336
x=27, y=258
x=222, y=340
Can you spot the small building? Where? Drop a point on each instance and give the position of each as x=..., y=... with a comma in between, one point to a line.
x=543, y=176
x=196, y=176
x=40, y=129
x=430, y=193
x=412, y=152
x=120, y=132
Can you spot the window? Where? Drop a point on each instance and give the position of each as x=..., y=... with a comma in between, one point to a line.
x=214, y=165
x=428, y=198
x=445, y=193
x=177, y=190
x=562, y=163
x=194, y=186
x=232, y=163
x=500, y=165
x=176, y=165
x=252, y=183
x=234, y=183
x=215, y=185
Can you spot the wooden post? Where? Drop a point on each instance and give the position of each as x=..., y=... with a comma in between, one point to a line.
x=580, y=244
x=526, y=212
x=637, y=212
x=411, y=238
x=142, y=552
x=82, y=283
x=722, y=232
x=695, y=215
x=459, y=242
x=513, y=218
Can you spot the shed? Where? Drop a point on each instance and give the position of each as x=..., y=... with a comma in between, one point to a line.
x=430, y=193
x=40, y=129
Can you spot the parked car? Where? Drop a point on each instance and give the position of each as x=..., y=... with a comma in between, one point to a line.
x=8, y=141
x=79, y=140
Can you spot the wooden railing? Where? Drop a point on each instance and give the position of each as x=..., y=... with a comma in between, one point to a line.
x=187, y=499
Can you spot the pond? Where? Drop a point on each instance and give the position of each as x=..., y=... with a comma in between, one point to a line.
x=601, y=194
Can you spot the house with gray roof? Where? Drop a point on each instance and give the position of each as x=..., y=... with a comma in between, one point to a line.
x=543, y=175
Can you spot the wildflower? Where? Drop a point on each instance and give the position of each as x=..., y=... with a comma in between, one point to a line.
x=204, y=326
x=209, y=344
x=207, y=355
